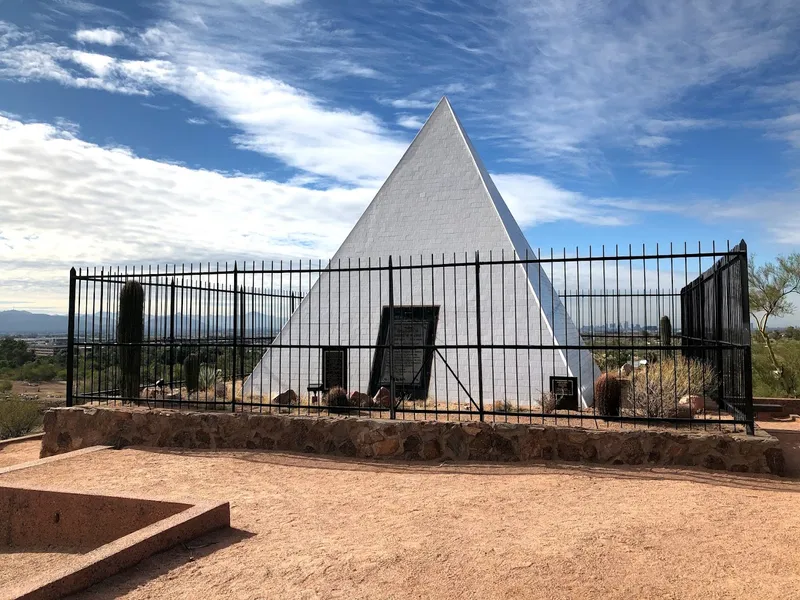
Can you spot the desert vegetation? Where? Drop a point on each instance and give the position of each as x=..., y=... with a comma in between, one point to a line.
x=658, y=390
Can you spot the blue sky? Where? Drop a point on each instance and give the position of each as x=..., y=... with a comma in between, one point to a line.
x=200, y=130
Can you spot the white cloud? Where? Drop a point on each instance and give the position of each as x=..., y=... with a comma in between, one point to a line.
x=534, y=200
x=98, y=64
x=406, y=104
x=273, y=117
x=410, y=122
x=132, y=210
x=128, y=209
x=105, y=37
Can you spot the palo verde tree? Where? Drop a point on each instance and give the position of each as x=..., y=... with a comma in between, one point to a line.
x=771, y=286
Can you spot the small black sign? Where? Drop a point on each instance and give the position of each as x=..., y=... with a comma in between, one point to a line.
x=565, y=391
x=413, y=328
x=334, y=367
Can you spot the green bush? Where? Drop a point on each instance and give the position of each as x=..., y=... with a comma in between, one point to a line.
x=5, y=386
x=18, y=417
x=766, y=383
x=36, y=372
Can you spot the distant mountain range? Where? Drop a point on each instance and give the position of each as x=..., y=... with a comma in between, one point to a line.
x=21, y=322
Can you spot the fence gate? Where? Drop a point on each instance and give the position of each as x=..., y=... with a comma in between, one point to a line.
x=715, y=328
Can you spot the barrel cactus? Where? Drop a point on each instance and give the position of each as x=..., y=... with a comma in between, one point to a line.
x=130, y=334
x=607, y=395
x=191, y=372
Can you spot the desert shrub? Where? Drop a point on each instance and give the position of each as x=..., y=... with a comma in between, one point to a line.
x=208, y=377
x=607, y=395
x=548, y=402
x=337, y=400
x=36, y=372
x=504, y=406
x=658, y=388
x=18, y=417
x=5, y=386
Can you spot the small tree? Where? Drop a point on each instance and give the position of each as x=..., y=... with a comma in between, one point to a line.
x=771, y=285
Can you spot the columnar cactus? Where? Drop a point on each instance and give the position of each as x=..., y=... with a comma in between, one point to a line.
x=665, y=331
x=191, y=372
x=130, y=334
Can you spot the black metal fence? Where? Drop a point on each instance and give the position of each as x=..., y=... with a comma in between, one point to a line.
x=609, y=339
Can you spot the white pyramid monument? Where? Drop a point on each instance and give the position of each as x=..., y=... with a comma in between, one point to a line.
x=438, y=205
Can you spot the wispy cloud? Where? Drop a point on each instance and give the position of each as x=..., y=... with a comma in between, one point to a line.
x=658, y=168
x=653, y=141
x=590, y=72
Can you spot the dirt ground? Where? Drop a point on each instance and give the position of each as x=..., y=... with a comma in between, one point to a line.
x=54, y=391
x=313, y=527
x=18, y=566
x=19, y=452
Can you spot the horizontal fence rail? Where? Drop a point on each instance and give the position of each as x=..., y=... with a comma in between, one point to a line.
x=650, y=338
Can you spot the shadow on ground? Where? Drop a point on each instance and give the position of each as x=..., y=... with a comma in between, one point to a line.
x=164, y=562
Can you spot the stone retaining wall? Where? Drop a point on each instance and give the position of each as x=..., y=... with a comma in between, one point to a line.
x=68, y=429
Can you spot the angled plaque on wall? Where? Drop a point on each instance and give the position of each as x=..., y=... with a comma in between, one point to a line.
x=404, y=350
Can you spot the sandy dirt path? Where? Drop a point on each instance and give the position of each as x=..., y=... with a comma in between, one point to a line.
x=312, y=527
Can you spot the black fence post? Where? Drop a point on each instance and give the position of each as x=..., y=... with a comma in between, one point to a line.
x=748, y=357
x=71, y=337
x=478, y=326
x=235, y=328
x=392, y=400
x=242, y=337
x=172, y=334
